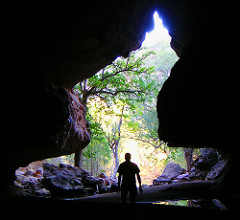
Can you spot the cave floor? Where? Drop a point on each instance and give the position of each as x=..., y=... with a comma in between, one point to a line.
x=181, y=191
x=104, y=206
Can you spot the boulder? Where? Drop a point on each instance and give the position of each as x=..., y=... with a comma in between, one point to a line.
x=106, y=184
x=62, y=179
x=67, y=180
x=203, y=164
x=171, y=171
x=207, y=159
x=29, y=182
x=217, y=170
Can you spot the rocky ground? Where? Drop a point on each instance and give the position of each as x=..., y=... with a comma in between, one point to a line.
x=209, y=166
x=175, y=183
x=48, y=180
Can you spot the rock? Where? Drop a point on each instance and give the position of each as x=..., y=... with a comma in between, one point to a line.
x=161, y=180
x=217, y=170
x=171, y=171
x=207, y=159
x=183, y=176
x=114, y=187
x=42, y=192
x=90, y=181
x=202, y=165
x=29, y=182
x=62, y=179
x=63, y=182
x=106, y=184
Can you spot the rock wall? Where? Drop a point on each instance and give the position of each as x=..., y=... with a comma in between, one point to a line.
x=51, y=124
x=196, y=105
x=46, y=48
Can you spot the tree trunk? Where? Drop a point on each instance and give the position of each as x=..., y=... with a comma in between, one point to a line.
x=114, y=142
x=91, y=169
x=188, y=157
x=116, y=161
x=78, y=158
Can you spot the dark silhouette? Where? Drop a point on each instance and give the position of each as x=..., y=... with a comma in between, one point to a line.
x=128, y=170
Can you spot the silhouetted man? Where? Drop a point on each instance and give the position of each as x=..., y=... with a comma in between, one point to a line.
x=128, y=170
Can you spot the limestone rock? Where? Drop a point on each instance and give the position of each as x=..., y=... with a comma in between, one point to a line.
x=62, y=179
x=29, y=182
x=65, y=179
x=171, y=171
x=203, y=164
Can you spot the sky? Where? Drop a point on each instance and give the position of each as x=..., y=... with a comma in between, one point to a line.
x=159, y=32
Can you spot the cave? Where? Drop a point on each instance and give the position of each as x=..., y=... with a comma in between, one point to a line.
x=46, y=48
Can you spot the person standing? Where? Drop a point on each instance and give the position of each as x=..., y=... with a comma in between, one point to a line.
x=127, y=176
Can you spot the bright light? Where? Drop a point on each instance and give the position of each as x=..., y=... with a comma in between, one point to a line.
x=131, y=146
x=158, y=34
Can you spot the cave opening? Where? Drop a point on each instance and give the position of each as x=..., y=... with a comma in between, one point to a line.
x=109, y=101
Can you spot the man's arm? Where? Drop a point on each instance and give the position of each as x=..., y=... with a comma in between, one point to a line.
x=139, y=182
x=119, y=183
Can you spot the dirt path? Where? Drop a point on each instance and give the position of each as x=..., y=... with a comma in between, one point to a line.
x=189, y=190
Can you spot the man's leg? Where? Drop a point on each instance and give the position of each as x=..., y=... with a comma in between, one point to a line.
x=133, y=194
x=123, y=195
x=132, y=198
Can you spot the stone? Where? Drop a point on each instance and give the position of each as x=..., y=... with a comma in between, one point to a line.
x=207, y=159
x=106, y=184
x=29, y=182
x=62, y=179
x=203, y=164
x=217, y=170
x=171, y=171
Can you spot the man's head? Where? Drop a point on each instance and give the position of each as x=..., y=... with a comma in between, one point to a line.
x=127, y=156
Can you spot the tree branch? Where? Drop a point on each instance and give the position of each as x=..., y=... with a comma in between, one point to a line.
x=116, y=92
x=149, y=142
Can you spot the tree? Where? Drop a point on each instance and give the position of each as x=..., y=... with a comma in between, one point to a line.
x=124, y=79
x=121, y=102
x=113, y=137
x=127, y=81
x=163, y=59
x=96, y=156
x=188, y=154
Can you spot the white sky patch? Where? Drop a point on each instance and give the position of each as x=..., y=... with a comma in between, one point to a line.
x=158, y=34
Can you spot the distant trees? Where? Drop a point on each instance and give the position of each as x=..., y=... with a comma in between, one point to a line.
x=123, y=84
x=124, y=79
x=121, y=103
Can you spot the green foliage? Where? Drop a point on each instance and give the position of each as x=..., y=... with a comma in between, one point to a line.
x=133, y=84
x=97, y=154
x=125, y=79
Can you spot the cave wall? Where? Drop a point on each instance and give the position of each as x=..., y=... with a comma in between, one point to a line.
x=46, y=48
x=196, y=106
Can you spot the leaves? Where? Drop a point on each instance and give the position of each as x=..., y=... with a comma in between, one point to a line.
x=132, y=83
x=125, y=79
